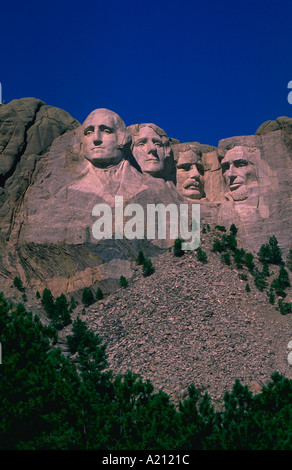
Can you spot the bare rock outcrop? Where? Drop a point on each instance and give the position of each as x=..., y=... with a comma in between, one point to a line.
x=281, y=123
x=29, y=126
x=54, y=171
x=27, y=129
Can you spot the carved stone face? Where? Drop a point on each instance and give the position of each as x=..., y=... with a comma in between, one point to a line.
x=189, y=175
x=149, y=151
x=101, y=139
x=239, y=172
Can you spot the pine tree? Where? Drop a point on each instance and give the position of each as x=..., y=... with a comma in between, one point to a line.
x=61, y=316
x=284, y=277
x=87, y=297
x=248, y=261
x=177, y=248
x=202, y=255
x=48, y=302
x=281, y=282
x=278, y=287
x=86, y=342
x=218, y=246
x=225, y=257
x=99, y=294
x=141, y=258
x=259, y=280
x=271, y=296
x=233, y=229
x=243, y=276
x=230, y=241
x=238, y=255
x=271, y=252
x=148, y=267
x=79, y=331
x=73, y=304
x=265, y=253
x=237, y=409
x=38, y=385
x=17, y=282
x=284, y=307
x=275, y=250
x=266, y=270
x=123, y=281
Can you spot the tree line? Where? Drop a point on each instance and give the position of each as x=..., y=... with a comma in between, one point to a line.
x=52, y=401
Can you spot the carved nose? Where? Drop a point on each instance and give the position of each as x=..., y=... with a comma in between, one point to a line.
x=232, y=171
x=152, y=149
x=232, y=178
x=97, y=140
x=194, y=174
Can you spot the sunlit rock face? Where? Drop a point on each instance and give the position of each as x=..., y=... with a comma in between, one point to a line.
x=257, y=176
x=246, y=180
x=240, y=173
x=190, y=174
x=51, y=241
x=151, y=151
x=54, y=171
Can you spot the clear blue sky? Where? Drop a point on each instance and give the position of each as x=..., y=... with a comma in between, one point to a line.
x=200, y=70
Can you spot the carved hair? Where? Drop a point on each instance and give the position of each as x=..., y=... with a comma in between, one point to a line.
x=193, y=148
x=134, y=130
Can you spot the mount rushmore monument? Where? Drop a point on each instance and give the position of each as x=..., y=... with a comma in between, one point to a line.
x=54, y=171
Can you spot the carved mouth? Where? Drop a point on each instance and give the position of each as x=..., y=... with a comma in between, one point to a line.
x=97, y=148
x=192, y=186
x=235, y=186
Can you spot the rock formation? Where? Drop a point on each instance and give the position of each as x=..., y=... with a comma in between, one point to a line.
x=248, y=181
x=54, y=172
x=51, y=241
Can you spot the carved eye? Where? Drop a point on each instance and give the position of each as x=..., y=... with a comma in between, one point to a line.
x=184, y=167
x=157, y=144
x=225, y=167
x=88, y=130
x=200, y=169
x=107, y=131
x=241, y=163
x=140, y=144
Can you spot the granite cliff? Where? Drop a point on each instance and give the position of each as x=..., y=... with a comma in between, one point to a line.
x=49, y=186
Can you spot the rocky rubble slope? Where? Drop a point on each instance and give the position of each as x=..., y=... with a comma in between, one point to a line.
x=191, y=322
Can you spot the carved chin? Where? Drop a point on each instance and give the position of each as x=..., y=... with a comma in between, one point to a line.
x=152, y=168
x=192, y=194
x=239, y=194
